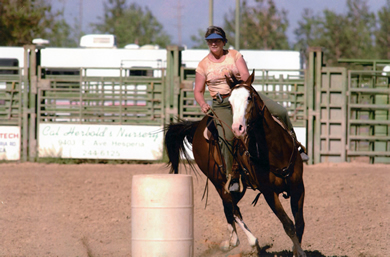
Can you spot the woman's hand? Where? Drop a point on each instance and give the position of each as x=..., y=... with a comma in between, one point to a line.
x=205, y=107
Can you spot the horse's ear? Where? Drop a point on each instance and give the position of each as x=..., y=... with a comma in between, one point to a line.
x=229, y=82
x=251, y=78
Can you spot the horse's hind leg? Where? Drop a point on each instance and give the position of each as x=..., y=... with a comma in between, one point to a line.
x=297, y=199
x=274, y=202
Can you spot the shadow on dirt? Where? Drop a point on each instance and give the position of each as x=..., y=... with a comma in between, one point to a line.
x=288, y=254
x=214, y=251
x=263, y=253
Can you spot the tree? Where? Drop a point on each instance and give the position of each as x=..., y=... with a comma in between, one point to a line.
x=383, y=33
x=131, y=24
x=307, y=33
x=362, y=28
x=262, y=26
x=200, y=42
x=333, y=34
x=60, y=34
x=23, y=20
x=347, y=35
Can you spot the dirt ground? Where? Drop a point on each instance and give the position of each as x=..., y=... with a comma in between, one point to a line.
x=85, y=210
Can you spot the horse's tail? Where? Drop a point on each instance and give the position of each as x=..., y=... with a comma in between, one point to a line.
x=175, y=144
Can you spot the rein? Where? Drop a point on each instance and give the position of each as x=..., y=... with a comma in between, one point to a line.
x=215, y=117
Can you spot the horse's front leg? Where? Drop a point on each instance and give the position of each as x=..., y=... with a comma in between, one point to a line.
x=233, y=240
x=253, y=242
x=233, y=216
x=289, y=227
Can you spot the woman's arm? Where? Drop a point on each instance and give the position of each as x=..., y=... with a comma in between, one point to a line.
x=200, y=87
x=242, y=68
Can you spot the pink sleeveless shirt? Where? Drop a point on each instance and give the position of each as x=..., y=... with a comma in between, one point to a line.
x=214, y=72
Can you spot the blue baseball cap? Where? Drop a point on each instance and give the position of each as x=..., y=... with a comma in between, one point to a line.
x=215, y=36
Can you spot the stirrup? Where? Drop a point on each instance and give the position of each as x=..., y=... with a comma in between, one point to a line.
x=228, y=188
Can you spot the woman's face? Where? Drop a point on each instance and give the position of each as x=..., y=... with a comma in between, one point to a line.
x=215, y=45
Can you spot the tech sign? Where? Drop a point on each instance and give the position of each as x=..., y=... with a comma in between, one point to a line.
x=10, y=143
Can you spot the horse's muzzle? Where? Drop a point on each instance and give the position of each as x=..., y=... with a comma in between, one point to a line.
x=239, y=130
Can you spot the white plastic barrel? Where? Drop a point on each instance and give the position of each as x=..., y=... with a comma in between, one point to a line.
x=162, y=210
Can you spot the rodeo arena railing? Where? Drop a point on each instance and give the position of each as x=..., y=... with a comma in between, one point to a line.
x=87, y=114
x=122, y=99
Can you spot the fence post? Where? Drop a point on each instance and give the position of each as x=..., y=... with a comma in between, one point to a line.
x=313, y=85
x=24, y=90
x=172, y=90
x=29, y=104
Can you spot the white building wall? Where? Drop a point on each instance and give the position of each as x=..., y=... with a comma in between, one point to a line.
x=155, y=58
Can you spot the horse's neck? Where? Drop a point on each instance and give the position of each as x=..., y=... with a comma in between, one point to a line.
x=271, y=127
x=277, y=138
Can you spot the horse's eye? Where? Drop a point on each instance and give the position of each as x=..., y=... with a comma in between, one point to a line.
x=249, y=98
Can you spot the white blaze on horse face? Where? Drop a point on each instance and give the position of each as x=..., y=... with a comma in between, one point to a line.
x=239, y=102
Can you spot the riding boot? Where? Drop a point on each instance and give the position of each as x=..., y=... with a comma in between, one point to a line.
x=232, y=184
x=302, y=149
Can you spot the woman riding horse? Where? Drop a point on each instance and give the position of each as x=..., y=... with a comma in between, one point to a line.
x=266, y=155
x=212, y=71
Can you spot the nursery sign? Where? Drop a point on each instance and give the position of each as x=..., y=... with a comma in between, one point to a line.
x=100, y=141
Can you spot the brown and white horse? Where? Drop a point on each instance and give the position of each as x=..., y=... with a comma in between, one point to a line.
x=266, y=155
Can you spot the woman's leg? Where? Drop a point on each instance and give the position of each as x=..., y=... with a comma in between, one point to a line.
x=279, y=111
x=224, y=112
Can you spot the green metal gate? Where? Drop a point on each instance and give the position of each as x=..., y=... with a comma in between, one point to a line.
x=348, y=111
x=11, y=85
x=123, y=100
x=326, y=95
x=368, y=115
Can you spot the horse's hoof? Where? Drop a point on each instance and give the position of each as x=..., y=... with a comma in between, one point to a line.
x=227, y=246
x=255, y=247
x=298, y=252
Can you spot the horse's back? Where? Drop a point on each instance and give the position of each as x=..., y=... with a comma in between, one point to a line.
x=205, y=147
x=200, y=143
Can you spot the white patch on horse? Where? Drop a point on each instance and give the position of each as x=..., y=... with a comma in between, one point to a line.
x=239, y=103
x=251, y=238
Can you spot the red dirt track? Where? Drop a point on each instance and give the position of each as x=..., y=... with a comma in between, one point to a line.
x=85, y=210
